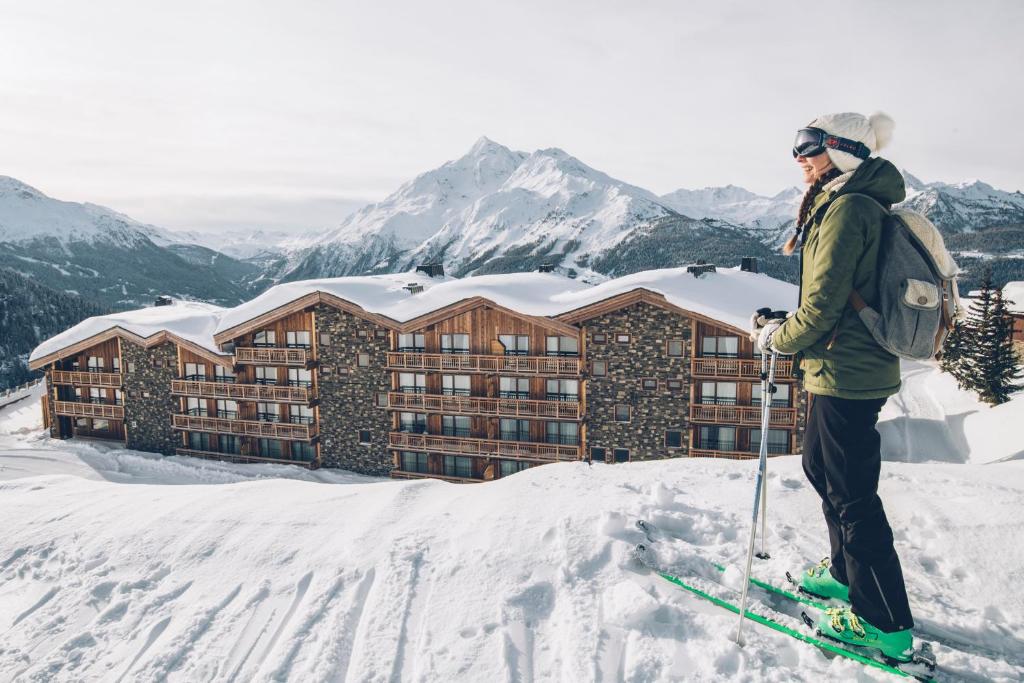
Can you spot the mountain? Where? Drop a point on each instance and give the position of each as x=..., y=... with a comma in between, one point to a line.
x=965, y=207
x=767, y=218
x=105, y=256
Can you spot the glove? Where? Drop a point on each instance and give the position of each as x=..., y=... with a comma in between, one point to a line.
x=764, y=337
x=760, y=317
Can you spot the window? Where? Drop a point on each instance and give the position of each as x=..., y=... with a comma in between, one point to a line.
x=380, y=334
x=227, y=409
x=266, y=375
x=563, y=390
x=99, y=425
x=97, y=395
x=514, y=387
x=620, y=454
x=457, y=466
x=780, y=399
x=363, y=360
x=515, y=430
x=673, y=438
x=199, y=441
x=622, y=412
x=515, y=344
x=268, y=412
x=597, y=454
x=264, y=338
x=414, y=462
x=622, y=338
x=649, y=384
x=115, y=364
x=223, y=374
x=300, y=415
x=455, y=385
x=413, y=343
x=325, y=339
x=131, y=366
x=196, y=407
x=158, y=362
x=303, y=452
x=270, y=448
x=565, y=433
x=95, y=364
x=230, y=444
x=455, y=425
x=562, y=346
x=412, y=383
x=412, y=422
x=674, y=384
x=118, y=397
x=778, y=441
x=363, y=334
x=82, y=423
x=718, y=393
x=718, y=438
x=455, y=343
x=299, y=339
x=600, y=338
x=195, y=372
x=599, y=368
x=720, y=347
x=512, y=466
x=300, y=377
x=674, y=348
x=382, y=399
x=364, y=437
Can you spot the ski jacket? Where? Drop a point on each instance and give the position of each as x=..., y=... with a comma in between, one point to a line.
x=834, y=350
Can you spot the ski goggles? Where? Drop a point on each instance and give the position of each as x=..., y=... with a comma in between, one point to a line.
x=810, y=142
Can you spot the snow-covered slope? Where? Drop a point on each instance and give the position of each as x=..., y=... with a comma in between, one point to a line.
x=121, y=566
x=964, y=207
x=767, y=215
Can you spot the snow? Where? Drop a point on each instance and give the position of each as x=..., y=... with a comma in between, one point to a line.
x=737, y=205
x=728, y=295
x=1014, y=292
x=117, y=565
x=190, y=320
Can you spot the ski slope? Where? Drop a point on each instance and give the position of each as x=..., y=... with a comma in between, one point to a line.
x=124, y=566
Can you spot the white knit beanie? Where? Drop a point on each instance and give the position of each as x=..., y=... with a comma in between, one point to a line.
x=875, y=131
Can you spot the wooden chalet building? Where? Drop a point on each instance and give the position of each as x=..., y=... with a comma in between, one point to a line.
x=412, y=376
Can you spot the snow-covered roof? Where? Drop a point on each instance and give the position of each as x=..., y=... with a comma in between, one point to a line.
x=190, y=320
x=728, y=295
x=1014, y=291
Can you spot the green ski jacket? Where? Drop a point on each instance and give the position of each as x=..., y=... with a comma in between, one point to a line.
x=835, y=351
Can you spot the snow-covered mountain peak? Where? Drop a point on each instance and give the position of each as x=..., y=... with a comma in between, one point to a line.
x=912, y=182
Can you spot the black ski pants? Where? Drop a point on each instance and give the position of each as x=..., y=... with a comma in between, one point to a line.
x=842, y=459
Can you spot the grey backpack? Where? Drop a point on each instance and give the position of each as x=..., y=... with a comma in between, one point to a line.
x=918, y=300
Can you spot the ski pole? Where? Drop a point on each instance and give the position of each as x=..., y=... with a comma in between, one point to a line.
x=762, y=466
x=767, y=396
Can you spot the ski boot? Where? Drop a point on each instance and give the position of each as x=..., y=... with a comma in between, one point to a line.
x=841, y=624
x=818, y=581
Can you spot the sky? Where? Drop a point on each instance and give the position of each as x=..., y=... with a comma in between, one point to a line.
x=236, y=114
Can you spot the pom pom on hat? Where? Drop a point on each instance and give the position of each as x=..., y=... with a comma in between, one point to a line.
x=875, y=131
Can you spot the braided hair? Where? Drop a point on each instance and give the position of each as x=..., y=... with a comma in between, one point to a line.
x=802, y=217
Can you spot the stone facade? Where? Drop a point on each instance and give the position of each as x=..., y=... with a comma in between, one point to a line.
x=653, y=411
x=148, y=404
x=348, y=392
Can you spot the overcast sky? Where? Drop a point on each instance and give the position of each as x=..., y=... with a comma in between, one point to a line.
x=235, y=113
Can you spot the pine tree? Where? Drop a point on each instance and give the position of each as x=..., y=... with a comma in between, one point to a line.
x=954, y=352
x=976, y=335
x=998, y=363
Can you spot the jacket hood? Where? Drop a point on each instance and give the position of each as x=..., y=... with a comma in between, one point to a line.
x=878, y=178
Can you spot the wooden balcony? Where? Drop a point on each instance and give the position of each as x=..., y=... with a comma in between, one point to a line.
x=258, y=428
x=747, y=416
x=237, y=457
x=86, y=379
x=729, y=455
x=402, y=474
x=738, y=368
x=512, y=365
x=242, y=392
x=271, y=356
x=76, y=409
x=478, y=405
x=512, y=450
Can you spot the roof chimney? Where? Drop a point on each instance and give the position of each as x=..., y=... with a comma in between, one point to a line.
x=431, y=269
x=546, y=268
x=163, y=300
x=700, y=267
x=748, y=264
x=414, y=287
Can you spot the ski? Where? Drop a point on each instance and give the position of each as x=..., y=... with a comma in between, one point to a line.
x=920, y=667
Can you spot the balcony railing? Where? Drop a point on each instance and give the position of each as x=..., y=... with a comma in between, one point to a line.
x=245, y=392
x=238, y=457
x=741, y=368
x=515, y=365
x=76, y=409
x=270, y=430
x=487, y=447
x=742, y=415
x=271, y=356
x=402, y=474
x=94, y=379
x=730, y=455
x=478, y=405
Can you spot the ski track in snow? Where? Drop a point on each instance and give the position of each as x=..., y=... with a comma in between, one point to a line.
x=241, y=576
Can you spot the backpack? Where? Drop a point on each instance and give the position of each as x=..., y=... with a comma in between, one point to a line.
x=918, y=299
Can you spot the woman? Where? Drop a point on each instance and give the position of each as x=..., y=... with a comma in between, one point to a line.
x=848, y=374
